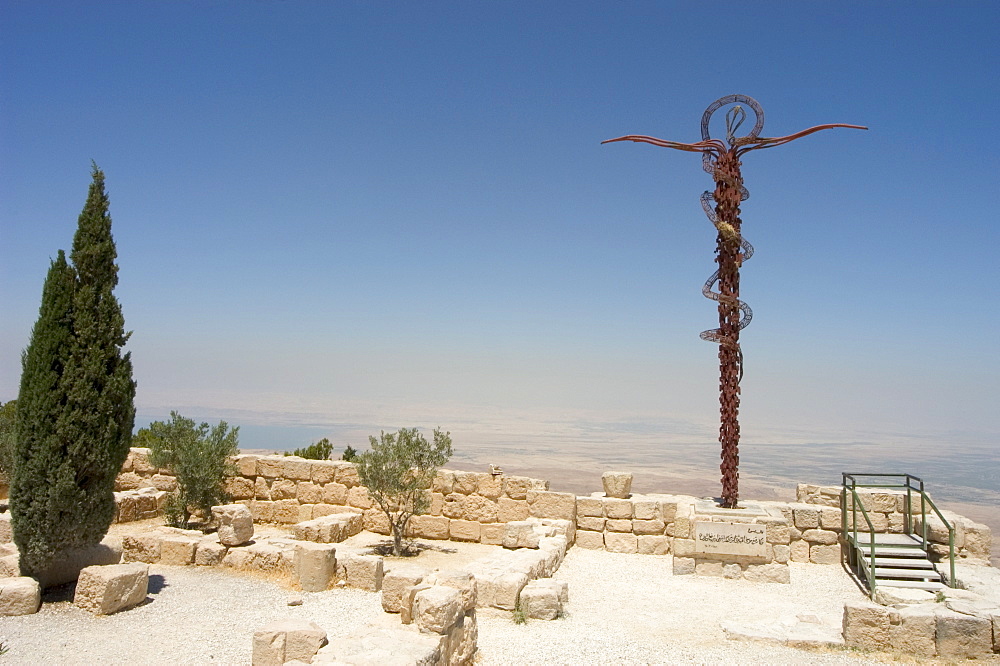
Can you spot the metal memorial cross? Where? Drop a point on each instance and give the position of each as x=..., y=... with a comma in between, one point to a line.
x=722, y=160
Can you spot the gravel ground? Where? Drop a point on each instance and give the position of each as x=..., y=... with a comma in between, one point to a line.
x=623, y=609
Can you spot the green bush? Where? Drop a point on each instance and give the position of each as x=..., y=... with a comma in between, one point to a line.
x=198, y=457
x=7, y=416
x=321, y=450
x=75, y=409
x=350, y=454
x=398, y=471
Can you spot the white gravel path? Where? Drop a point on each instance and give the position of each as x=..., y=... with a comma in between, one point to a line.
x=623, y=609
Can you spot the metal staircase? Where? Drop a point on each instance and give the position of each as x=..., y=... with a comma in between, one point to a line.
x=892, y=560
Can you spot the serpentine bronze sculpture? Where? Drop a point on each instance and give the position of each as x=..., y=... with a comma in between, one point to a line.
x=722, y=160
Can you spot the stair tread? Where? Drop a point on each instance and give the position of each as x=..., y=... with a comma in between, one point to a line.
x=930, y=586
x=891, y=540
x=904, y=562
x=906, y=573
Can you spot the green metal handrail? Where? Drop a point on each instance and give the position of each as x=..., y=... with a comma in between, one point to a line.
x=907, y=484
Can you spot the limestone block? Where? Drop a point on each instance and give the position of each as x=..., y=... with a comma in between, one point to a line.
x=866, y=625
x=305, y=512
x=347, y=474
x=479, y=508
x=267, y=557
x=67, y=567
x=261, y=489
x=590, y=540
x=897, y=522
x=127, y=481
x=880, y=502
x=296, y=468
x=767, y=573
x=825, y=537
x=396, y=581
x=107, y=589
x=406, y=611
x=143, y=547
x=591, y=523
x=618, y=525
x=363, y=571
x=462, y=581
x=443, y=482
x=19, y=596
x=617, y=484
x=238, y=487
x=376, y=521
x=681, y=527
x=778, y=533
x=308, y=492
x=647, y=526
x=879, y=521
x=287, y=640
x=824, y=554
x=653, y=545
x=246, y=465
x=435, y=502
x=806, y=517
x=285, y=511
x=492, y=534
x=546, y=504
x=683, y=547
x=520, y=534
x=10, y=565
x=589, y=506
x=452, y=507
x=140, y=460
x=269, y=467
x=209, y=553
x=732, y=570
x=322, y=509
x=235, y=524
x=323, y=471
x=668, y=509
x=6, y=533
x=126, y=508
x=437, y=608
x=540, y=602
x=335, y=493
x=283, y=489
x=799, y=551
x=978, y=540
x=618, y=542
x=912, y=631
x=261, y=510
x=507, y=588
x=782, y=554
x=463, y=639
x=708, y=567
x=683, y=566
x=618, y=509
x=489, y=486
x=830, y=518
x=358, y=496
x=465, y=530
x=177, y=549
x=510, y=509
x=902, y=596
x=164, y=482
x=963, y=636
x=430, y=527
x=535, y=563
x=315, y=565
x=465, y=483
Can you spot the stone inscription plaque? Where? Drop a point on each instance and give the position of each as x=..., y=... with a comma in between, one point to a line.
x=730, y=538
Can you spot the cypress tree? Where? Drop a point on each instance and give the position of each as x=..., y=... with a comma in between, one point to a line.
x=75, y=426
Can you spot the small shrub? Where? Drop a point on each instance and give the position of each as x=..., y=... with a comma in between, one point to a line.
x=7, y=416
x=321, y=450
x=518, y=614
x=350, y=454
x=198, y=457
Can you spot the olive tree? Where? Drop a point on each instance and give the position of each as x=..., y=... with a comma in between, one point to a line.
x=398, y=471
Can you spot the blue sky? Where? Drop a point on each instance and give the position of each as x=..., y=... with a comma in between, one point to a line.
x=371, y=215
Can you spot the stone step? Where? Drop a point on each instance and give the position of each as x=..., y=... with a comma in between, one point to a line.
x=893, y=551
x=907, y=573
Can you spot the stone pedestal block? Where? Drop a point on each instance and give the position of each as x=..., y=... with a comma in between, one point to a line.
x=19, y=596
x=235, y=524
x=315, y=565
x=617, y=484
x=104, y=590
x=287, y=640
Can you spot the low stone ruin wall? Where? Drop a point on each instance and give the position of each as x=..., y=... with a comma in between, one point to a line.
x=819, y=507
